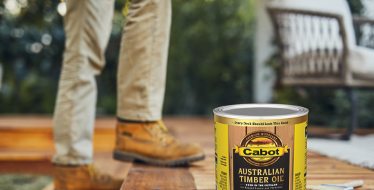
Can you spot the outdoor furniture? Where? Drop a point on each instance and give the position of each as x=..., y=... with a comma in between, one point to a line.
x=318, y=48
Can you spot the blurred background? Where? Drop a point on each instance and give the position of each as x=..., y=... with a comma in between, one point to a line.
x=221, y=52
x=210, y=56
x=211, y=62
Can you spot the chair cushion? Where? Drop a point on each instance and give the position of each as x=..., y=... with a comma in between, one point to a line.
x=361, y=63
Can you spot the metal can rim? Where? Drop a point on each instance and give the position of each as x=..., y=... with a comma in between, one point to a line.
x=300, y=111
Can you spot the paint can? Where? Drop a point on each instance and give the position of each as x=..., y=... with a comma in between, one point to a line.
x=260, y=147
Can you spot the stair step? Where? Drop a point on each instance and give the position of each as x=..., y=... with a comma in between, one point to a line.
x=30, y=138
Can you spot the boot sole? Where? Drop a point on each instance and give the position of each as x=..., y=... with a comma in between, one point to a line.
x=130, y=157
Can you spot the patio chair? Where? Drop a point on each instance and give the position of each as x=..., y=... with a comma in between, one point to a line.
x=318, y=48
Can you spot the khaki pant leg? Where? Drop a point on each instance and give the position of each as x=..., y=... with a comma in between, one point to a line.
x=87, y=26
x=143, y=57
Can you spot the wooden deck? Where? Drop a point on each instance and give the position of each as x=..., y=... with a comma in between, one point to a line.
x=26, y=146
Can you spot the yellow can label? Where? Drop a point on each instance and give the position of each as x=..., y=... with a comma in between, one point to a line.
x=300, y=147
x=260, y=158
x=222, y=156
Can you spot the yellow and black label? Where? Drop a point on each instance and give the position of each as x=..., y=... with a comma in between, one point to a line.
x=260, y=158
x=265, y=152
x=222, y=156
x=269, y=162
x=300, y=149
x=261, y=148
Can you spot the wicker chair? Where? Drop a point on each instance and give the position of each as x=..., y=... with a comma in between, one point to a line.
x=318, y=48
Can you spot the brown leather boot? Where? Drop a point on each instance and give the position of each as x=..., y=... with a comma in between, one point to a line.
x=83, y=177
x=151, y=143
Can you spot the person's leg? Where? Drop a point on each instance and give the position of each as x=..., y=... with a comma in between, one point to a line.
x=141, y=134
x=87, y=27
x=142, y=62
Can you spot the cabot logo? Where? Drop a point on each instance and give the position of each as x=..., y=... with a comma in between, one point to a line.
x=261, y=148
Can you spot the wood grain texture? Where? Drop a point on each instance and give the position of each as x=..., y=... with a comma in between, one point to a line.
x=44, y=167
x=236, y=134
x=25, y=155
x=152, y=177
x=204, y=173
x=321, y=169
x=50, y=186
x=286, y=134
x=201, y=131
x=31, y=138
x=104, y=162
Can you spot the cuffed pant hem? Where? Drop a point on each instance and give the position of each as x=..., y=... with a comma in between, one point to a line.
x=138, y=116
x=70, y=161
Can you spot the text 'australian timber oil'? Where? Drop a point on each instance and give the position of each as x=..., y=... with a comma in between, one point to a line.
x=260, y=147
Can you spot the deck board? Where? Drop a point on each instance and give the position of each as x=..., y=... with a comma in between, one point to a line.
x=142, y=176
x=27, y=157
x=204, y=173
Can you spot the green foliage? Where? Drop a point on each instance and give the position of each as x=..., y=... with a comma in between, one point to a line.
x=329, y=107
x=210, y=57
x=355, y=6
x=23, y=182
x=31, y=66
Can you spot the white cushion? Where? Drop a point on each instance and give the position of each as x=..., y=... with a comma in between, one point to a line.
x=361, y=63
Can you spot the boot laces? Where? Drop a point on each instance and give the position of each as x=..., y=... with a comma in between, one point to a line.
x=163, y=132
x=162, y=126
x=95, y=174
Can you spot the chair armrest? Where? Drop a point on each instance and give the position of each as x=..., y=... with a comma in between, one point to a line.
x=361, y=20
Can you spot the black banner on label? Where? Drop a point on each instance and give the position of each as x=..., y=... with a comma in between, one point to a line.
x=249, y=177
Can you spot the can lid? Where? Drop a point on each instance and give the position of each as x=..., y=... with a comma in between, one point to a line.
x=260, y=111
